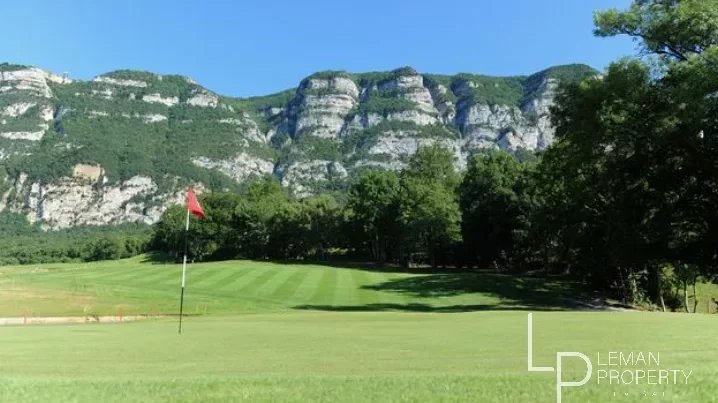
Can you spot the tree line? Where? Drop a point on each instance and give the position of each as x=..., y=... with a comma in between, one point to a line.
x=23, y=243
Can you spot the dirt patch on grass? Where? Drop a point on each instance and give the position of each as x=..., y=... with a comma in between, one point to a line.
x=46, y=320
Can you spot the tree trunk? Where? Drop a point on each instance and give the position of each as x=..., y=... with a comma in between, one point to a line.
x=624, y=287
x=404, y=257
x=546, y=260
x=695, y=295
x=685, y=295
x=374, y=247
x=659, y=284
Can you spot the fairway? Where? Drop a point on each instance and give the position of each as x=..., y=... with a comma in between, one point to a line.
x=271, y=332
x=234, y=287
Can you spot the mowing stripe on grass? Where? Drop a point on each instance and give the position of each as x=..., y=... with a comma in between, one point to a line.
x=198, y=277
x=306, y=287
x=177, y=273
x=159, y=274
x=234, y=274
x=115, y=274
x=290, y=285
x=346, y=290
x=224, y=287
x=268, y=288
x=149, y=275
x=241, y=281
x=207, y=282
x=120, y=277
x=264, y=276
x=326, y=288
x=361, y=278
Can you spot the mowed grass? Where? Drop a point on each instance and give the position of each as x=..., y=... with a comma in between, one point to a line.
x=136, y=286
x=315, y=333
x=348, y=357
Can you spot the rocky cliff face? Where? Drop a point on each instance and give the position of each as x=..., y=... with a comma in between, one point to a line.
x=121, y=147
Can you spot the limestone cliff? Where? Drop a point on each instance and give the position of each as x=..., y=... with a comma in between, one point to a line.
x=122, y=146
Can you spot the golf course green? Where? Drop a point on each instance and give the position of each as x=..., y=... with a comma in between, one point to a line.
x=258, y=331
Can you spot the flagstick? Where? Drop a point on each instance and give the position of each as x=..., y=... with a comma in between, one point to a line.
x=184, y=270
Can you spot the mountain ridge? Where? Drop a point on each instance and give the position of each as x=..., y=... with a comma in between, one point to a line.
x=140, y=137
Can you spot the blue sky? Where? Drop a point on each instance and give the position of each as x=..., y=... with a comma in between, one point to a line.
x=245, y=48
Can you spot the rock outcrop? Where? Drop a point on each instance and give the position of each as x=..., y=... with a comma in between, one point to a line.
x=121, y=147
x=321, y=107
x=76, y=201
x=240, y=168
x=26, y=106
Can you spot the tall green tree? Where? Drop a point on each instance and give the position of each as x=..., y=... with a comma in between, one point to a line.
x=429, y=206
x=491, y=207
x=374, y=208
x=254, y=216
x=168, y=235
x=323, y=220
x=673, y=29
x=633, y=169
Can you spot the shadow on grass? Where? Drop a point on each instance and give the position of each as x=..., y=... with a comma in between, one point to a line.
x=514, y=293
x=155, y=257
x=530, y=290
x=346, y=264
x=415, y=307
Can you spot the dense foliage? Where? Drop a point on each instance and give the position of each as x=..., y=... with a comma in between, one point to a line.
x=415, y=211
x=630, y=189
x=11, y=67
x=23, y=243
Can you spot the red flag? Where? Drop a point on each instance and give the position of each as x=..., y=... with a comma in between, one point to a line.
x=193, y=205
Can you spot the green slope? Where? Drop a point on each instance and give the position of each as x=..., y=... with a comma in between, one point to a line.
x=136, y=287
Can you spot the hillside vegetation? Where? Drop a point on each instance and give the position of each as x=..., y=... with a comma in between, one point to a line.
x=101, y=122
